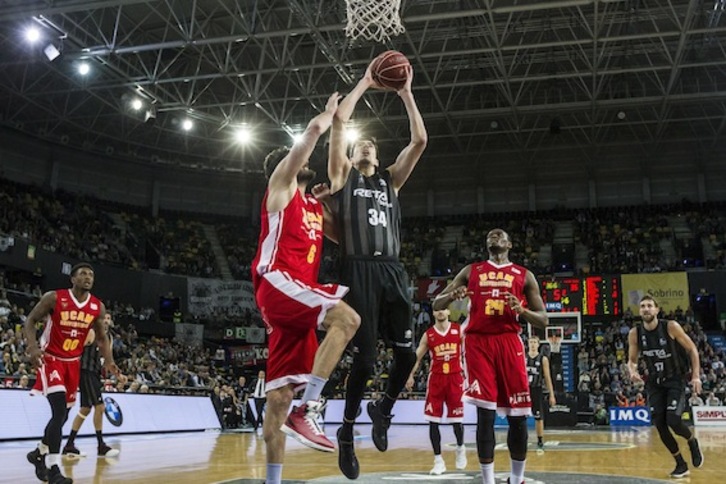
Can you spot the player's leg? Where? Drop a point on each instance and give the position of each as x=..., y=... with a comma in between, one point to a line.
x=485, y=443
x=676, y=402
x=395, y=314
x=536, y=396
x=278, y=403
x=83, y=412
x=514, y=399
x=433, y=412
x=454, y=393
x=658, y=398
x=364, y=298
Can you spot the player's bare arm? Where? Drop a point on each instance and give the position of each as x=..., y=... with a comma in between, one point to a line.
x=534, y=313
x=633, y=351
x=104, y=343
x=548, y=380
x=676, y=332
x=90, y=338
x=321, y=192
x=37, y=314
x=339, y=164
x=283, y=181
x=458, y=289
x=408, y=158
x=423, y=347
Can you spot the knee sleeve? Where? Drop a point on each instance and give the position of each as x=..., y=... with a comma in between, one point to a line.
x=659, y=421
x=675, y=422
x=459, y=433
x=403, y=361
x=435, y=436
x=360, y=371
x=59, y=414
x=517, y=437
x=485, y=440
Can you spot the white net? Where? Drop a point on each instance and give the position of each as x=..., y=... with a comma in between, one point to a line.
x=555, y=343
x=376, y=20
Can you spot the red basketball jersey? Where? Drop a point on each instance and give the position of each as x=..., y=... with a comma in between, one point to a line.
x=290, y=240
x=445, y=349
x=489, y=312
x=68, y=325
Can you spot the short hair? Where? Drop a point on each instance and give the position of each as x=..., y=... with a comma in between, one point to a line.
x=372, y=139
x=79, y=266
x=273, y=159
x=648, y=297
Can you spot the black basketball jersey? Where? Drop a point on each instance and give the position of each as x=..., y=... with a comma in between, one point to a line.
x=535, y=373
x=368, y=215
x=664, y=357
x=91, y=359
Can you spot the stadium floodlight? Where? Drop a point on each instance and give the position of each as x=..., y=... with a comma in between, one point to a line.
x=187, y=124
x=84, y=68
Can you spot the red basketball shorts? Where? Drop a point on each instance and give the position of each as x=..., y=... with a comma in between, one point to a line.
x=444, y=389
x=58, y=375
x=293, y=311
x=496, y=373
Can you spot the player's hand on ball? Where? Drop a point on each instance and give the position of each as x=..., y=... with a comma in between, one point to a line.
x=409, y=80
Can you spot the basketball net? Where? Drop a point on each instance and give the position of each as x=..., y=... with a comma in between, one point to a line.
x=376, y=20
x=555, y=343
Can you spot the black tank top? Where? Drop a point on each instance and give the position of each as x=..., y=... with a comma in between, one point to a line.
x=534, y=371
x=368, y=216
x=91, y=359
x=664, y=357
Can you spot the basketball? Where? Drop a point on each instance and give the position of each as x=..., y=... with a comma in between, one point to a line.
x=389, y=69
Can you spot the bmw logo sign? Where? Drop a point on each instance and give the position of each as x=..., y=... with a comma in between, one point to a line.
x=113, y=412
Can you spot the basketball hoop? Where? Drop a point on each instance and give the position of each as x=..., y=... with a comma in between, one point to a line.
x=555, y=343
x=376, y=20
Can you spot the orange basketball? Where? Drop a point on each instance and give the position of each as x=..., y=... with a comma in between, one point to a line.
x=389, y=69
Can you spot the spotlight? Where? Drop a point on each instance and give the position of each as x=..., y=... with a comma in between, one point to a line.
x=296, y=138
x=187, y=125
x=136, y=104
x=243, y=135
x=621, y=115
x=494, y=124
x=32, y=34
x=84, y=68
x=351, y=135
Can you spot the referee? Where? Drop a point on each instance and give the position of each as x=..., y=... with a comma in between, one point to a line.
x=90, y=387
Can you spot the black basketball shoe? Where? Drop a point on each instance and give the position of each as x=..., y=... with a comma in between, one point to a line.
x=696, y=454
x=38, y=460
x=347, y=460
x=381, y=423
x=55, y=477
x=681, y=470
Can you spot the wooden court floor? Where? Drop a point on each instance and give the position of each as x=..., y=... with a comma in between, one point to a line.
x=214, y=457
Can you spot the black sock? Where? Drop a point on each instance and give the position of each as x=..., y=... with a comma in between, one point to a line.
x=99, y=437
x=539, y=439
x=385, y=405
x=346, y=431
x=72, y=438
x=679, y=459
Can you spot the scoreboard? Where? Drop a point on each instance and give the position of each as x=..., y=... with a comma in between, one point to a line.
x=591, y=295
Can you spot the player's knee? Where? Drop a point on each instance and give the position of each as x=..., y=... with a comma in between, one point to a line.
x=673, y=419
x=485, y=440
x=278, y=400
x=363, y=365
x=404, y=358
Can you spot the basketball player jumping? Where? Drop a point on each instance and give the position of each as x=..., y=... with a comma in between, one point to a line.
x=445, y=385
x=368, y=221
x=495, y=365
x=69, y=315
x=292, y=303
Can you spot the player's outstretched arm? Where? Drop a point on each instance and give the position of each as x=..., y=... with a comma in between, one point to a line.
x=283, y=181
x=676, y=331
x=408, y=158
x=456, y=290
x=423, y=347
x=37, y=314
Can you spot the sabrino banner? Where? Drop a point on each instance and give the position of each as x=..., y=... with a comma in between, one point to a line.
x=670, y=289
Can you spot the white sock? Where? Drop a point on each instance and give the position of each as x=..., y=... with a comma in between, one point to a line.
x=52, y=460
x=314, y=388
x=438, y=458
x=43, y=448
x=487, y=473
x=274, y=474
x=517, y=471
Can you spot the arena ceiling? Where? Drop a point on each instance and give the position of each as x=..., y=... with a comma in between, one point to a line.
x=585, y=86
